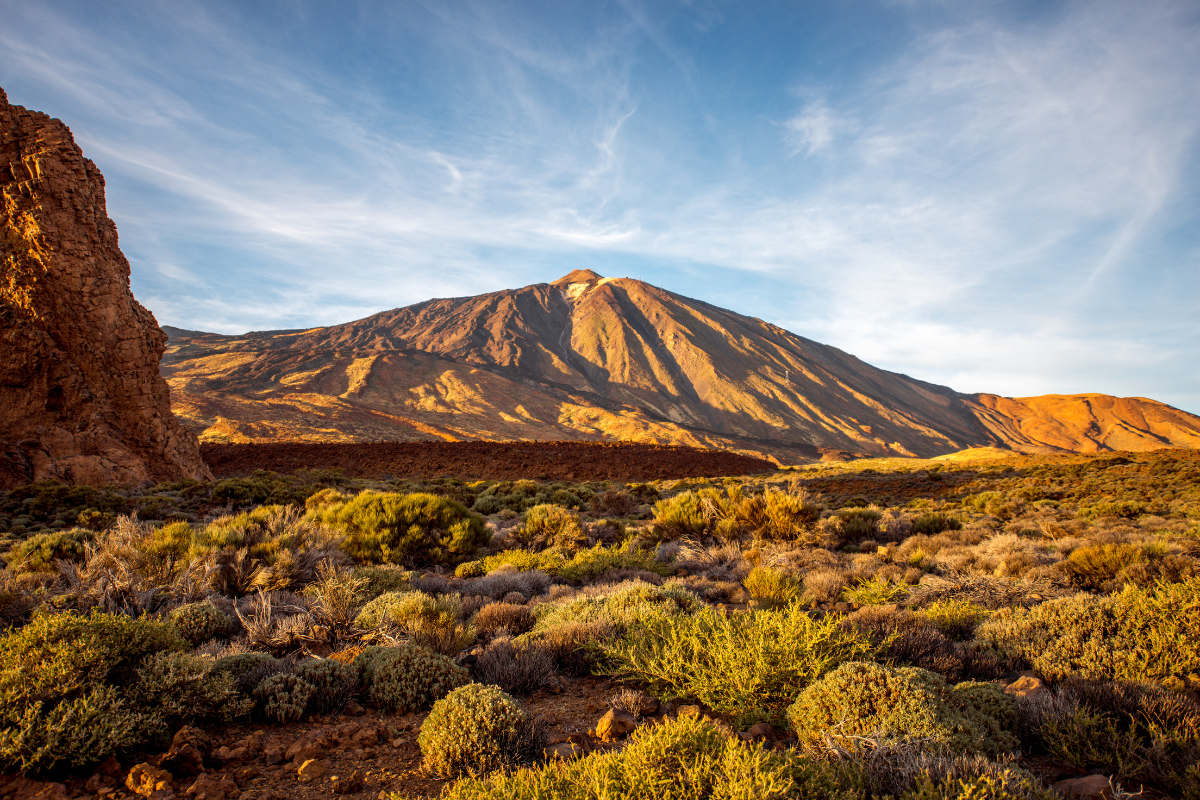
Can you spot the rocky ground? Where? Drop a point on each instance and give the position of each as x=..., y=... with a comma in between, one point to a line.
x=570, y=461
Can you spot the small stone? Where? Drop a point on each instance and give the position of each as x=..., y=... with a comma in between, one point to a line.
x=145, y=779
x=353, y=709
x=208, y=787
x=689, y=711
x=312, y=769
x=1093, y=787
x=274, y=754
x=615, y=725
x=647, y=705
x=1026, y=686
x=368, y=737
x=347, y=785
x=762, y=732
x=304, y=750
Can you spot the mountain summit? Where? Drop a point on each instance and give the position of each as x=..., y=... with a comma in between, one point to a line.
x=589, y=357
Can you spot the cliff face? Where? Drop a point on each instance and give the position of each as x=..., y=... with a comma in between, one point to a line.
x=81, y=398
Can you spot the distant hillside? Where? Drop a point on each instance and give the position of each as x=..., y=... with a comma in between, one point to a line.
x=592, y=358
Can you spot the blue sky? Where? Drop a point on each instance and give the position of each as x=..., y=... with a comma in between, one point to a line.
x=996, y=196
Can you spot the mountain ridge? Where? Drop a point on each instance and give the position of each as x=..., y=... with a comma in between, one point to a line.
x=589, y=357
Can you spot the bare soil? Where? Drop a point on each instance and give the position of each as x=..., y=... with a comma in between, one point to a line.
x=562, y=461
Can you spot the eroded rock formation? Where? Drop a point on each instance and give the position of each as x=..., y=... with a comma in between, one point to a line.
x=81, y=398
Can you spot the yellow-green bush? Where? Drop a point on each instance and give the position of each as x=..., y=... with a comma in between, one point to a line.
x=333, y=682
x=1136, y=634
x=1095, y=566
x=431, y=622
x=64, y=683
x=407, y=678
x=582, y=566
x=475, y=730
x=770, y=588
x=199, y=622
x=955, y=618
x=876, y=591
x=547, y=524
x=749, y=665
x=862, y=698
x=685, y=759
x=39, y=552
x=411, y=529
x=621, y=607
x=284, y=697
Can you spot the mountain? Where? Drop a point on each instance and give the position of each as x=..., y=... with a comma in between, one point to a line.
x=81, y=397
x=587, y=357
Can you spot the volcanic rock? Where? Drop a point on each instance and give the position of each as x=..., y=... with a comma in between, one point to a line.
x=81, y=397
x=604, y=359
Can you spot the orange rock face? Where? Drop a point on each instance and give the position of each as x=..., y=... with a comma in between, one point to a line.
x=81, y=398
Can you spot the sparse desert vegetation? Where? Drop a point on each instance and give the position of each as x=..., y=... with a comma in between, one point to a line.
x=904, y=629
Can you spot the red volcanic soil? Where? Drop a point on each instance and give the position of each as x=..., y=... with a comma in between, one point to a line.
x=562, y=461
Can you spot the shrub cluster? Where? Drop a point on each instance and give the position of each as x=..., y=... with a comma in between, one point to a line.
x=407, y=678
x=475, y=730
x=410, y=529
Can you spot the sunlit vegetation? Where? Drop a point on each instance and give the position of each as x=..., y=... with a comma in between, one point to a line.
x=872, y=612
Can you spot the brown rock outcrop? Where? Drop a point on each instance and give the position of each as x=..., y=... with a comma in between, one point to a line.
x=81, y=398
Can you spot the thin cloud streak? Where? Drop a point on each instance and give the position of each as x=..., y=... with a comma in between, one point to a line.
x=963, y=213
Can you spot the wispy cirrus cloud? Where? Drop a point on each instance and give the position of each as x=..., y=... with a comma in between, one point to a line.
x=997, y=201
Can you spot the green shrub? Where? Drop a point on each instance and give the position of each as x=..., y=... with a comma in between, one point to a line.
x=684, y=759
x=862, y=698
x=1095, y=566
x=749, y=665
x=858, y=524
x=332, y=682
x=1135, y=634
x=877, y=591
x=475, y=730
x=72, y=734
x=584, y=565
x=550, y=525
x=199, y=622
x=408, y=678
x=686, y=514
x=383, y=578
x=64, y=683
x=248, y=669
x=933, y=523
x=1010, y=784
x=430, y=622
x=410, y=529
x=770, y=588
x=955, y=618
x=1122, y=509
x=284, y=697
x=183, y=688
x=621, y=607
x=470, y=569
x=1140, y=733
x=39, y=552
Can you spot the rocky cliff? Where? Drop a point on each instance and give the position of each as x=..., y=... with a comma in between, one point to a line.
x=81, y=397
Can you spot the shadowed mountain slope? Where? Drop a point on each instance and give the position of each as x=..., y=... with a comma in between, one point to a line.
x=588, y=357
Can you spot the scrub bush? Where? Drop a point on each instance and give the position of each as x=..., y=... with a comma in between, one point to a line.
x=408, y=678
x=199, y=622
x=409, y=529
x=1135, y=634
x=749, y=665
x=39, y=552
x=475, y=730
x=333, y=682
x=284, y=697
x=861, y=698
x=771, y=588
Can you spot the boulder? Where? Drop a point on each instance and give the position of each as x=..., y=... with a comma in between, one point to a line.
x=615, y=725
x=1091, y=787
x=1026, y=686
x=208, y=787
x=147, y=780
